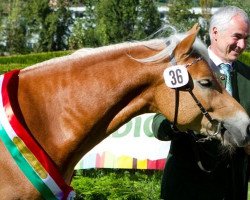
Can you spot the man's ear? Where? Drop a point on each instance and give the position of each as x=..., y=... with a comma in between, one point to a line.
x=214, y=33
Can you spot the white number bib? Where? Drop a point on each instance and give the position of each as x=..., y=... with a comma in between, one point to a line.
x=176, y=76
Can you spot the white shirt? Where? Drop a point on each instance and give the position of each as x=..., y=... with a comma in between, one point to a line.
x=217, y=61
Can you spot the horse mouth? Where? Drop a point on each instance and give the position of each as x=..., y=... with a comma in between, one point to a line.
x=236, y=131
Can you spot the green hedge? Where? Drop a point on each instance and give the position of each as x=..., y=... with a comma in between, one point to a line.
x=8, y=63
x=117, y=184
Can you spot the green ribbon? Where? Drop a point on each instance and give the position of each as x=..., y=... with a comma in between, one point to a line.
x=25, y=166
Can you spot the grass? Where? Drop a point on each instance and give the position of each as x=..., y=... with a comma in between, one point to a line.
x=119, y=184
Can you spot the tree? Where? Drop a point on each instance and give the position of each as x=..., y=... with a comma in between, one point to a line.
x=126, y=20
x=180, y=16
x=149, y=19
x=83, y=29
x=245, y=5
x=15, y=28
x=206, y=6
x=3, y=16
x=113, y=21
x=50, y=23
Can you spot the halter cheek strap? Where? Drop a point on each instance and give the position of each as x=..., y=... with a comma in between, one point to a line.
x=215, y=124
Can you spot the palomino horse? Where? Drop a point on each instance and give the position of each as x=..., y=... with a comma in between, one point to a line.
x=70, y=104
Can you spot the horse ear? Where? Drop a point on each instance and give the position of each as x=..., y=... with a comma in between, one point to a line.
x=194, y=29
x=185, y=46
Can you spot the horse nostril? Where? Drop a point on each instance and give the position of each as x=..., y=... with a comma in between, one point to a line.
x=248, y=130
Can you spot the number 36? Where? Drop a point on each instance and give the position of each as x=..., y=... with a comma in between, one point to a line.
x=176, y=76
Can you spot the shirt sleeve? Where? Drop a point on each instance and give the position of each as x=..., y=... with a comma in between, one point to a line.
x=162, y=128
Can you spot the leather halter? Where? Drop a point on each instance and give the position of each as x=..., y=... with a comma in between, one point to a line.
x=215, y=124
x=218, y=126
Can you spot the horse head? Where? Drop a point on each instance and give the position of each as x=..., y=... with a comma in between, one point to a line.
x=193, y=98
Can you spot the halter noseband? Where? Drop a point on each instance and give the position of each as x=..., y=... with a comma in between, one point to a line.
x=216, y=125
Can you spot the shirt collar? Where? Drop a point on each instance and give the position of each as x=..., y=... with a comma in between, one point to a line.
x=217, y=61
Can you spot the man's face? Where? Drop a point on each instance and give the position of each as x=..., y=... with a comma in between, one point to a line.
x=230, y=42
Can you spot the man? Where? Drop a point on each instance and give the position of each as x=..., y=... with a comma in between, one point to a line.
x=201, y=170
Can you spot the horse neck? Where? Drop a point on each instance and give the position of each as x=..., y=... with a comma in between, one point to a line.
x=77, y=103
x=122, y=85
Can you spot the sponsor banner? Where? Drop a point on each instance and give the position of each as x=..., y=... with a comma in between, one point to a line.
x=133, y=146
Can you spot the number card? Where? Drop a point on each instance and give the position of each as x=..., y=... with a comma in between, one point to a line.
x=176, y=76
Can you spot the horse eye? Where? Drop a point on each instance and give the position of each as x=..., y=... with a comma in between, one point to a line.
x=205, y=83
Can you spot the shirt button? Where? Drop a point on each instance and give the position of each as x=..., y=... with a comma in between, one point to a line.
x=222, y=77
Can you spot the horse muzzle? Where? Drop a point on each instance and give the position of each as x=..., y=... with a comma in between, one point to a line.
x=248, y=131
x=239, y=138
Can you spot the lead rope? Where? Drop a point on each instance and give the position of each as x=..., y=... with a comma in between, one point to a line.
x=177, y=95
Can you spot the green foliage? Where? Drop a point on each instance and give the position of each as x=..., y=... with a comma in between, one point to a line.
x=117, y=184
x=83, y=30
x=8, y=63
x=245, y=58
x=25, y=22
x=149, y=19
x=76, y=40
x=14, y=29
x=180, y=16
x=126, y=20
x=115, y=20
x=51, y=24
x=245, y=5
x=34, y=26
x=248, y=196
x=112, y=21
x=183, y=19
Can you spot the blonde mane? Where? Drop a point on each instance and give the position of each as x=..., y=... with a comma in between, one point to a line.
x=164, y=45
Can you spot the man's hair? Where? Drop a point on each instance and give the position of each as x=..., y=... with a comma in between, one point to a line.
x=223, y=16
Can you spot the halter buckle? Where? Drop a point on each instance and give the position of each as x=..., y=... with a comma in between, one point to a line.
x=214, y=128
